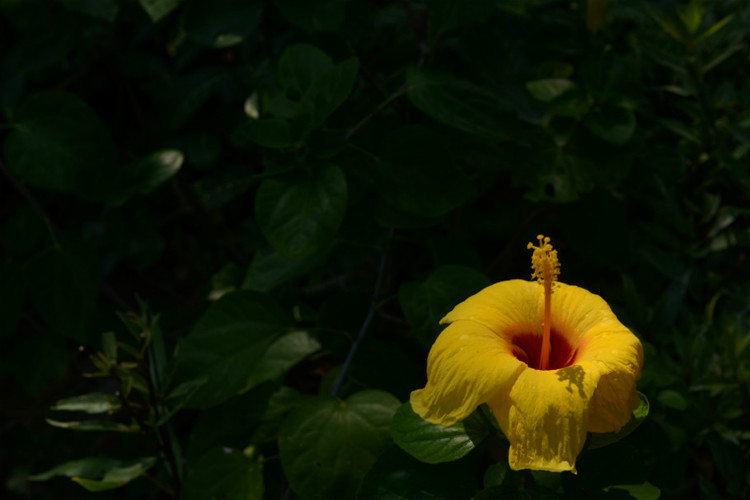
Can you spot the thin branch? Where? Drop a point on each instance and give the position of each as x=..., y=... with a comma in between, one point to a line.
x=363, y=329
x=398, y=93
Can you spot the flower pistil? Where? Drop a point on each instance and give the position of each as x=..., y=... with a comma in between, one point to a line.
x=546, y=270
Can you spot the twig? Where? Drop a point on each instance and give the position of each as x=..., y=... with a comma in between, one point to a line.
x=398, y=93
x=363, y=329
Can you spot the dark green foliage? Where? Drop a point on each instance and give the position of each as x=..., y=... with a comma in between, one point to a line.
x=303, y=189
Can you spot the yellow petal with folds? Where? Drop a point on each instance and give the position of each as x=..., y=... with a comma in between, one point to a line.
x=467, y=364
x=545, y=416
x=619, y=356
x=513, y=304
x=576, y=312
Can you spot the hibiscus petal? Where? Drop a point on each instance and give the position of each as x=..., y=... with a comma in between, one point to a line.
x=512, y=305
x=619, y=355
x=545, y=416
x=466, y=365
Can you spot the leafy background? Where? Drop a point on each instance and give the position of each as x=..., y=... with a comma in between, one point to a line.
x=257, y=186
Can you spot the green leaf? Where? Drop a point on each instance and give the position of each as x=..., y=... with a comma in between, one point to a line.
x=226, y=344
x=301, y=212
x=63, y=285
x=99, y=474
x=158, y=9
x=287, y=351
x=300, y=65
x=549, y=89
x=149, y=173
x=222, y=23
x=327, y=445
x=461, y=104
x=447, y=15
x=672, y=399
x=267, y=132
x=425, y=304
x=433, y=443
x=330, y=90
x=645, y=491
x=57, y=142
x=100, y=9
x=398, y=476
x=613, y=123
x=95, y=426
x=714, y=29
x=269, y=269
x=597, y=440
x=86, y=467
x=117, y=476
x=223, y=473
x=416, y=173
x=90, y=403
x=315, y=17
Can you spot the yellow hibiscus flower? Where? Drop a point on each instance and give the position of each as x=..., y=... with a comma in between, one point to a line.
x=551, y=360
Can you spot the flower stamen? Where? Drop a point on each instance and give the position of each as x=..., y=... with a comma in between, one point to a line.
x=546, y=270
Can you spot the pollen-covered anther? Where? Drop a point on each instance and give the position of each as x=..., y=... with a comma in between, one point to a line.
x=544, y=261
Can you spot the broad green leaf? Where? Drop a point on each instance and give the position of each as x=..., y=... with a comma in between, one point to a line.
x=615, y=124
x=100, y=9
x=645, y=491
x=226, y=344
x=433, y=443
x=513, y=492
x=549, y=89
x=597, y=440
x=58, y=142
x=300, y=65
x=63, y=285
x=327, y=445
x=398, y=476
x=223, y=473
x=90, y=403
x=417, y=174
x=424, y=304
x=222, y=23
x=158, y=9
x=317, y=16
x=283, y=354
x=149, y=173
x=729, y=460
x=330, y=90
x=446, y=15
x=269, y=269
x=300, y=213
x=672, y=399
x=267, y=132
x=461, y=104
x=95, y=426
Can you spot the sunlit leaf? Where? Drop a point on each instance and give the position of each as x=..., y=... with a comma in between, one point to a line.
x=327, y=445
x=89, y=403
x=434, y=443
x=226, y=344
